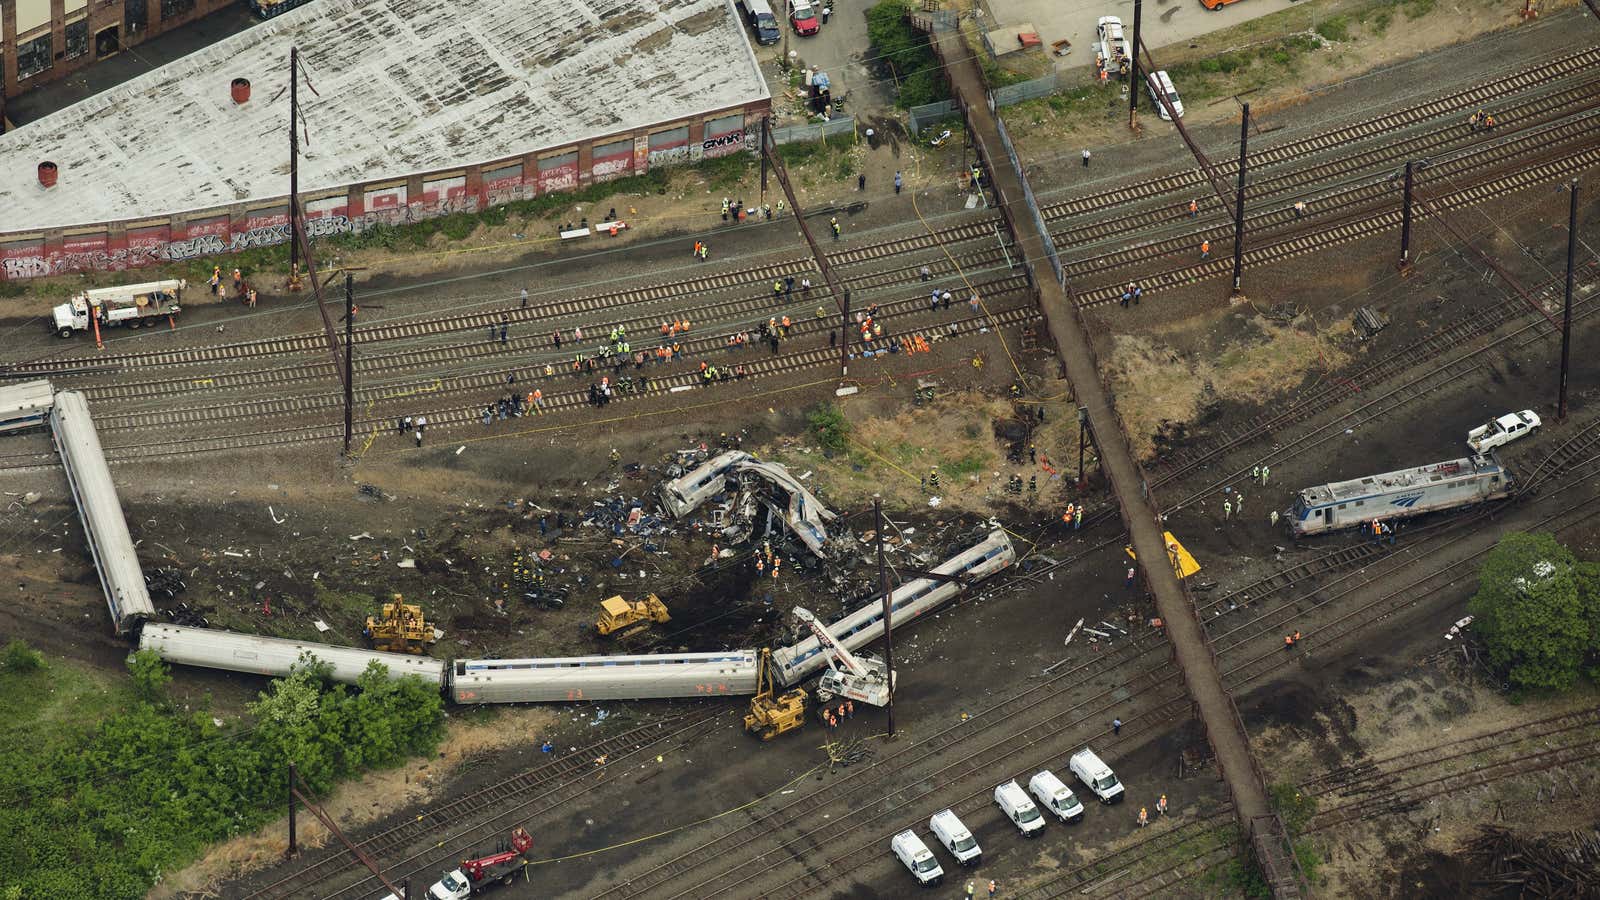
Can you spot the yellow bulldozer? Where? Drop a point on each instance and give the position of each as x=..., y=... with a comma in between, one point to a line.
x=772, y=715
x=623, y=619
x=400, y=628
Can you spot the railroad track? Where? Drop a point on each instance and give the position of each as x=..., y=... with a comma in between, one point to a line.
x=548, y=787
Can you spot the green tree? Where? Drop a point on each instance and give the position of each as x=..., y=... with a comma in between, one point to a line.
x=1534, y=610
x=829, y=426
x=150, y=675
x=902, y=52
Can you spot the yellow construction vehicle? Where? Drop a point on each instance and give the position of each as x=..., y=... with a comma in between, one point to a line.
x=618, y=615
x=400, y=628
x=770, y=715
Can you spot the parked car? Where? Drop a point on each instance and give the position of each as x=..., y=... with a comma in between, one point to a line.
x=803, y=16
x=758, y=15
x=1160, y=83
x=1503, y=430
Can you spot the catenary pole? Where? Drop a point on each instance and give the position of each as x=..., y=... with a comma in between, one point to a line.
x=888, y=626
x=294, y=848
x=1405, y=224
x=294, y=157
x=349, y=355
x=1238, y=203
x=1566, y=315
x=1133, y=73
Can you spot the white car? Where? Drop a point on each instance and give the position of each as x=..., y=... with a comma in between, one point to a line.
x=1159, y=83
x=1503, y=430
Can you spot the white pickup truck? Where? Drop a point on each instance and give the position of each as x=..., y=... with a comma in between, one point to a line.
x=1503, y=430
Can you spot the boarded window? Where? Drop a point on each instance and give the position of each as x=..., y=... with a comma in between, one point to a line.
x=555, y=162
x=623, y=147
x=33, y=57
x=136, y=16
x=172, y=9
x=32, y=14
x=672, y=137
x=77, y=38
x=724, y=125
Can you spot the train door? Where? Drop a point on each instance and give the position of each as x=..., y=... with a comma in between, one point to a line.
x=1327, y=517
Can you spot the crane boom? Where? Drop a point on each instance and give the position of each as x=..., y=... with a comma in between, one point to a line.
x=827, y=640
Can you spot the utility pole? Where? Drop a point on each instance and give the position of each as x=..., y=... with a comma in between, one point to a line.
x=888, y=627
x=1133, y=80
x=840, y=296
x=349, y=355
x=764, y=126
x=1083, y=425
x=294, y=848
x=844, y=337
x=1238, y=205
x=294, y=167
x=1566, y=315
x=1405, y=226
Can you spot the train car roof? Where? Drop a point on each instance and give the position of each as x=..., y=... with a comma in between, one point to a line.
x=1417, y=476
x=27, y=396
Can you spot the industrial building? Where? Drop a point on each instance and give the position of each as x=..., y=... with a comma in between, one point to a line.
x=411, y=109
x=45, y=40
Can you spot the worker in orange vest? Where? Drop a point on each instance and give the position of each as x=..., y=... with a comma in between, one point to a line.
x=1205, y=249
x=1194, y=209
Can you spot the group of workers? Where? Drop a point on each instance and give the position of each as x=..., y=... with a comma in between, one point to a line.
x=834, y=715
x=1481, y=119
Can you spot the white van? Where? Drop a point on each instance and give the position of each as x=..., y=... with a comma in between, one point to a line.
x=956, y=838
x=1055, y=796
x=1014, y=802
x=917, y=857
x=1159, y=84
x=1096, y=776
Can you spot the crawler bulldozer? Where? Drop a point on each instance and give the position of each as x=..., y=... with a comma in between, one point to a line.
x=622, y=619
x=772, y=715
x=400, y=628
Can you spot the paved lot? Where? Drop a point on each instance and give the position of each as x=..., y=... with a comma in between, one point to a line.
x=1165, y=21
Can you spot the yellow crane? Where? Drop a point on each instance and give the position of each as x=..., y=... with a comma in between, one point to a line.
x=618, y=615
x=400, y=628
x=771, y=715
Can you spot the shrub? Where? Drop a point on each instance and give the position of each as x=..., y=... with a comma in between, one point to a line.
x=1535, y=610
x=150, y=675
x=902, y=53
x=1335, y=28
x=19, y=658
x=829, y=426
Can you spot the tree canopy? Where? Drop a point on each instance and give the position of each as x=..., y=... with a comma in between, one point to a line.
x=1536, y=611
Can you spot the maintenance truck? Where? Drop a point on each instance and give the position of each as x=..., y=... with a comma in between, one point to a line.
x=1502, y=430
x=478, y=876
x=133, y=305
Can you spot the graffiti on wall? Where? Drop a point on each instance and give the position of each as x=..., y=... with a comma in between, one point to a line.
x=727, y=144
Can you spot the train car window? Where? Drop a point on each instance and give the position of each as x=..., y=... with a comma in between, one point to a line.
x=1341, y=506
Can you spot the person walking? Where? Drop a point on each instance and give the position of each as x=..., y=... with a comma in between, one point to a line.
x=926, y=273
x=1126, y=297
x=524, y=298
x=503, y=329
x=1299, y=209
x=726, y=205
x=1238, y=504
x=1255, y=472
x=1077, y=522
x=898, y=182
x=861, y=182
x=833, y=222
x=1227, y=509
x=1288, y=642
x=1132, y=574
x=1161, y=805
x=536, y=400
x=422, y=422
x=827, y=12
x=1144, y=817
x=1205, y=249
x=1194, y=209
x=1116, y=726
x=1265, y=471
x=1086, y=156
x=992, y=887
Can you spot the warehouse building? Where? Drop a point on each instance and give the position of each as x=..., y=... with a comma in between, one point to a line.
x=45, y=40
x=410, y=108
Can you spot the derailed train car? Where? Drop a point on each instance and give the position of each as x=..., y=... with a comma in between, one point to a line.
x=104, y=527
x=560, y=679
x=1394, y=495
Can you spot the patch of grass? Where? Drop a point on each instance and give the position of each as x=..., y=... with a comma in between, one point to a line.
x=724, y=171
x=1416, y=9
x=50, y=706
x=970, y=464
x=829, y=426
x=1379, y=23
x=1335, y=28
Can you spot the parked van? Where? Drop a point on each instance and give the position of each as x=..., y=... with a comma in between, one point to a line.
x=1159, y=83
x=1014, y=802
x=917, y=857
x=758, y=15
x=956, y=838
x=1055, y=797
x=1096, y=776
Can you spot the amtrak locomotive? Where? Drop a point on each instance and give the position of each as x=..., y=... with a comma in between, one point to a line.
x=1397, y=495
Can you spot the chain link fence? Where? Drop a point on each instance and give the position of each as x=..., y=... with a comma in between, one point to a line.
x=814, y=131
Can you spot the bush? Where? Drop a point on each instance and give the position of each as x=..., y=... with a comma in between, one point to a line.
x=829, y=426
x=102, y=816
x=1536, y=611
x=18, y=658
x=150, y=675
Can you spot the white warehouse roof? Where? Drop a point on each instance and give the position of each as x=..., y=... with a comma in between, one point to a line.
x=402, y=87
